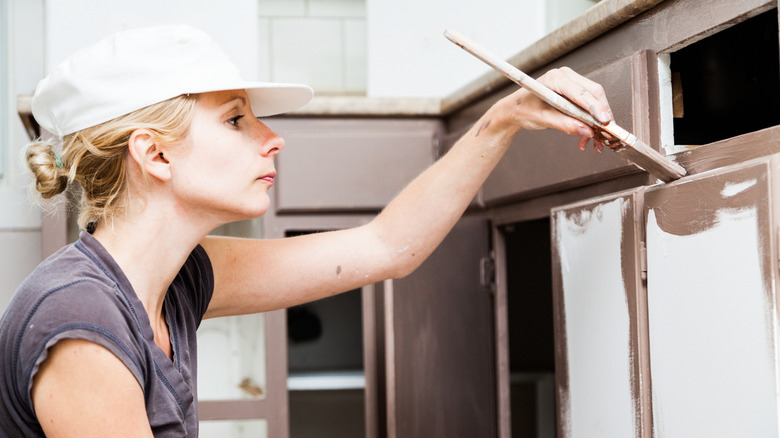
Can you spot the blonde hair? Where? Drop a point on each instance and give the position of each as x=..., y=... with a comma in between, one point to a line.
x=95, y=157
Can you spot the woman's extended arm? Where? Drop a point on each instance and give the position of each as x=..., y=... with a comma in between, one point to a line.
x=259, y=275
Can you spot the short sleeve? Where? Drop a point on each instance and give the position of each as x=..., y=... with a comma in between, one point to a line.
x=85, y=310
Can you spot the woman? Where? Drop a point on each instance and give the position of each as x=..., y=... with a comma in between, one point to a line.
x=161, y=134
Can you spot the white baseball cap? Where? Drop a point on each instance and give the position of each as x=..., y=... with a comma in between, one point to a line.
x=133, y=69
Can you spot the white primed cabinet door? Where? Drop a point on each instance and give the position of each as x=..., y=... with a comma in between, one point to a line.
x=599, y=318
x=712, y=310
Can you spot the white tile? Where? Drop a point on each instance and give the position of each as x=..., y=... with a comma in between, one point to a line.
x=308, y=51
x=337, y=8
x=282, y=8
x=355, y=55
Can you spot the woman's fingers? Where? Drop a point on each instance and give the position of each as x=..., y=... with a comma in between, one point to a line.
x=580, y=90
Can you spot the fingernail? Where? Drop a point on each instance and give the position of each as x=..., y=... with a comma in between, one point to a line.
x=605, y=117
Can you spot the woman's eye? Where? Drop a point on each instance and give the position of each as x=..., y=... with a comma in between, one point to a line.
x=234, y=120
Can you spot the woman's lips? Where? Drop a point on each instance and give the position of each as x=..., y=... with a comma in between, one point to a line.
x=269, y=178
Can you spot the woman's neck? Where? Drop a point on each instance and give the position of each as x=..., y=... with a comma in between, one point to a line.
x=150, y=248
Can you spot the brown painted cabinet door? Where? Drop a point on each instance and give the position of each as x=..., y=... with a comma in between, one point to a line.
x=442, y=379
x=600, y=329
x=547, y=161
x=712, y=303
x=338, y=165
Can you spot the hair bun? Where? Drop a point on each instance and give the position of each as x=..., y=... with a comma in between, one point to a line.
x=50, y=178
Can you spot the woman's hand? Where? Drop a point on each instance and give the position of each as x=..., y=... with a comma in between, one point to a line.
x=526, y=111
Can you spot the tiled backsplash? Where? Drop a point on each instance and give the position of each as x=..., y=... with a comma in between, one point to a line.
x=321, y=43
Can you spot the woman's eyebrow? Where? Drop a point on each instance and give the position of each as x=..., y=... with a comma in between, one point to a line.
x=231, y=100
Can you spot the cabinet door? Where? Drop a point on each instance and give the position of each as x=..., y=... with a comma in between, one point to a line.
x=440, y=373
x=548, y=160
x=712, y=307
x=335, y=165
x=600, y=328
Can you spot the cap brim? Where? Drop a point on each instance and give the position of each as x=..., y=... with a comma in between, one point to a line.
x=268, y=99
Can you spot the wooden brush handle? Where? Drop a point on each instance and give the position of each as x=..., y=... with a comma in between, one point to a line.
x=514, y=74
x=631, y=148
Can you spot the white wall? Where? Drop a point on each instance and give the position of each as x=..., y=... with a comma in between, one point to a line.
x=408, y=55
x=20, y=233
x=321, y=43
x=559, y=12
x=233, y=23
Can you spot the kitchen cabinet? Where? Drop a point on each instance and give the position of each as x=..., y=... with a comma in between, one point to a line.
x=578, y=297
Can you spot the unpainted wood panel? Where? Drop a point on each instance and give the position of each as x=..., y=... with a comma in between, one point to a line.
x=543, y=161
x=600, y=330
x=349, y=164
x=712, y=303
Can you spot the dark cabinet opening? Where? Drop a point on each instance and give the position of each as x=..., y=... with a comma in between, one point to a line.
x=530, y=324
x=727, y=84
x=326, y=380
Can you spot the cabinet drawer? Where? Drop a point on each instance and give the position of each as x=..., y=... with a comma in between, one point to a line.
x=349, y=164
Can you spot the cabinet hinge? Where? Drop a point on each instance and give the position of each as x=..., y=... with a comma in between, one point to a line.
x=487, y=271
x=643, y=260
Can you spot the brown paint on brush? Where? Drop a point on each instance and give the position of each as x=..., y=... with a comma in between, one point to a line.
x=652, y=161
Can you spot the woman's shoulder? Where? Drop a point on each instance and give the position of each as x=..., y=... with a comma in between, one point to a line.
x=70, y=294
x=63, y=276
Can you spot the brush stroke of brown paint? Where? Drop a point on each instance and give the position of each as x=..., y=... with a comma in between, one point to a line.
x=635, y=297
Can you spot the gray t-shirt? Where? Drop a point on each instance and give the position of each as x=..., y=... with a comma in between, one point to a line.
x=80, y=292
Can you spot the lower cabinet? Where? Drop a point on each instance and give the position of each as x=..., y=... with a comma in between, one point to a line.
x=666, y=309
x=411, y=357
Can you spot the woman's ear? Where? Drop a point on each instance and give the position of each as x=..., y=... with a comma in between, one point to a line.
x=147, y=152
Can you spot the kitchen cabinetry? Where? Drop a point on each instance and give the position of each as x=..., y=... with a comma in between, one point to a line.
x=577, y=296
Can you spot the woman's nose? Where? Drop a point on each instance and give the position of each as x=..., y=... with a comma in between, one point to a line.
x=271, y=142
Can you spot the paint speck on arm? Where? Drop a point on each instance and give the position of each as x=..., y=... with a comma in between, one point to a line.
x=338, y=270
x=484, y=126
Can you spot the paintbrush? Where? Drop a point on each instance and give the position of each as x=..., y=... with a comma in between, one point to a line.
x=626, y=144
